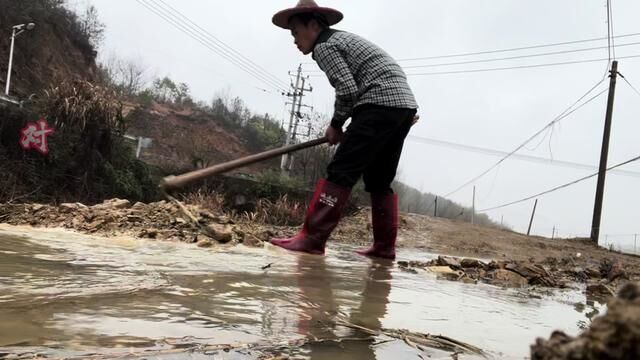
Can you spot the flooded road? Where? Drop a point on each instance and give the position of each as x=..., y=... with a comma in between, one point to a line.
x=70, y=295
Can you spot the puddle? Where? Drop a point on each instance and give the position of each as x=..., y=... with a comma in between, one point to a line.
x=69, y=295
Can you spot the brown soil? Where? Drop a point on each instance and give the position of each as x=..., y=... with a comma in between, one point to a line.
x=181, y=133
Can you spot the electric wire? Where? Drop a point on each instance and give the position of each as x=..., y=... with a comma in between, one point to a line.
x=224, y=45
x=559, y=187
x=628, y=83
x=209, y=45
x=517, y=67
x=518, y=56
x=563, y=115
x=529, y=158
x=506, y=50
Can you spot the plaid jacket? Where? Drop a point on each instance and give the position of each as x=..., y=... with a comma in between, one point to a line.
x=361, y=73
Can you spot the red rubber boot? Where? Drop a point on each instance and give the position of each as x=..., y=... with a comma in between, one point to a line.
x=322, y=217
x=384, y=220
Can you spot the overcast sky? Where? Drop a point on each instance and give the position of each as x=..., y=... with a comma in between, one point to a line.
x=496, y=110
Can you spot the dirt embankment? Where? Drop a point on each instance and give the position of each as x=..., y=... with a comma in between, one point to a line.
x=182, y=137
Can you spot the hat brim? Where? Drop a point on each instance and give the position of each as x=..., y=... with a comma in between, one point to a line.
x=281, y=19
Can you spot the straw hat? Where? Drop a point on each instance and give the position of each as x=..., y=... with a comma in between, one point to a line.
x=281, y=19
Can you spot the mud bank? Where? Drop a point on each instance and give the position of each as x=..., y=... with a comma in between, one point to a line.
x=615, y=335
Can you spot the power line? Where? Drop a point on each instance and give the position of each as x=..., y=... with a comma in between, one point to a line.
x=563, y=115
x=628, y=83
x=508, y=49
x=515, y=49
x=493, y=152
x=559, y=187
x=508, y=58
x=507, y=68
x=226, y=46
x=208, y=42
x=203, y=40
x=612, y=45
x=517, y=57
x=517, y=67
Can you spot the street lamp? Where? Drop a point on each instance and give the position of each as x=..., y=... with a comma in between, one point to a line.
x=17, y=30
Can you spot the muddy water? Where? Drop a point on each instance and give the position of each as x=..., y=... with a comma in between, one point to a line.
x=69, y=295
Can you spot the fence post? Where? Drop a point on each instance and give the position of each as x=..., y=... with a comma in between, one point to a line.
x=532, y=215
x=473, y=210
x=435, y=211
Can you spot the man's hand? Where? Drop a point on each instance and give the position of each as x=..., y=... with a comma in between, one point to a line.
x=333, y=135
x=415, y=119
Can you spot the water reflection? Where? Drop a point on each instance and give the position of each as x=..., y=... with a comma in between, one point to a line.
x=317, y=284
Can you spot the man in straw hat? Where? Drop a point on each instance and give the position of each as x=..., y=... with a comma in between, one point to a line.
x=372, y=90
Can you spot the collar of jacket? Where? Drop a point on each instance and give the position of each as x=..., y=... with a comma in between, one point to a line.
x=323, y=37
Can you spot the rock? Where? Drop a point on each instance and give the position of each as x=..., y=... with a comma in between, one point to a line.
x=470, y=263
x=442, y=270
x=468, y=280
x=535, y=274
x=592, y=273
x=204, y=243
x=403, y=264
x=149, y=233
x=220, y=233
x=599, y=291
x=206, y=214
x=77, y=221
x=448, y=261
x=95, y=225
x=507, y=278
x=139, y=206
x=114, y=204
x=266, y=235
x=36, y=207
x=241, y=234
x=578, y=273
x=180, y=221
x=617, y=271
x=252, y=241
x=69, y=206
x=134, y=218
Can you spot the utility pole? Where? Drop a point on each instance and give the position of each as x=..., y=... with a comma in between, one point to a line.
x=298, y=116
x=597, y=208
x=473, y=206
x=553, y=232
x=287, y=141
x=532, y=215
x=635, y=244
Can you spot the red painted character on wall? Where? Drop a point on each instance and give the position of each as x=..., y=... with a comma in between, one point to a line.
x=34, y=136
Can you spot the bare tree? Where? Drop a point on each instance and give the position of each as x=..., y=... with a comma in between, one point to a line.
x=128, y=76
x=91, y=26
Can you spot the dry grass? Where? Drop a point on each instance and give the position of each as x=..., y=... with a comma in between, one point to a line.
x=282, y=212
x=206, y=199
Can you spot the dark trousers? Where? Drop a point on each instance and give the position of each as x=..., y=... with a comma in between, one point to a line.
x=371, y=148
